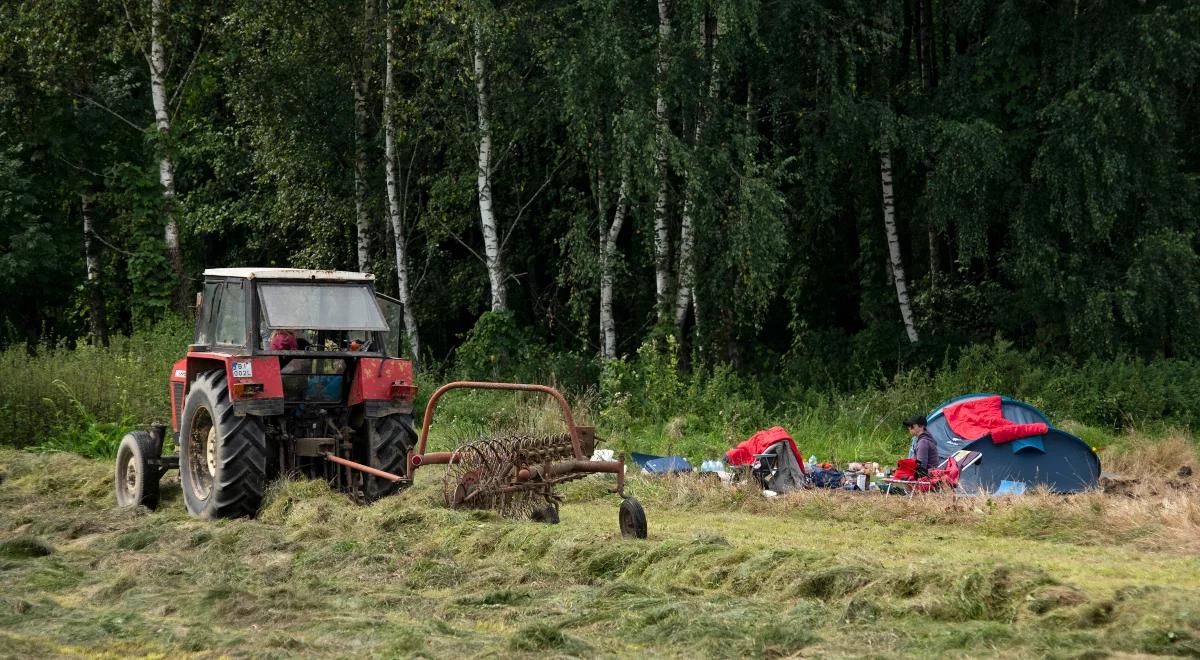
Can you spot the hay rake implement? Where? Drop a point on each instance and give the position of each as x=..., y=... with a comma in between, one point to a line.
x=515, y=474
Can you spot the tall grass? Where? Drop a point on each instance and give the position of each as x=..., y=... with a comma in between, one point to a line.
x=82, y=399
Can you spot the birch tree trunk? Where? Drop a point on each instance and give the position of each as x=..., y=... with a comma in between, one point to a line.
x=166, y=168
x=396, y=206
x=685, y=294
x=361, y=86
x=96, y=322
x=608, y=248
x=487, y=218
x=662, y=248
x=889, y=224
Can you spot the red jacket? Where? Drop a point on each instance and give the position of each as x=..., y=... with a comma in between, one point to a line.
x=743, y=454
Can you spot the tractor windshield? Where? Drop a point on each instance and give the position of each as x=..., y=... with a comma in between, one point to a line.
x=320, y=307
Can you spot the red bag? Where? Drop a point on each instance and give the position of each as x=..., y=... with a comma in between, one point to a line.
x=906, y=469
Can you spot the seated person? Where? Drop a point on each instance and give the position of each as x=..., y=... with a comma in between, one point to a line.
x=924, y=448
x=283, y=340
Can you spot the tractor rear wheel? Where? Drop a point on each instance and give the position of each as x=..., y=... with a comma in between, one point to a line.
x=222, y=457
x=389, y=440
x=137, y=480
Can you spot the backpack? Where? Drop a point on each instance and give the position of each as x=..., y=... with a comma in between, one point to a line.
x=826, y=478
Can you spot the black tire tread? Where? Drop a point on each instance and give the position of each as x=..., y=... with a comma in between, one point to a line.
x=146, y=448
x=633, y=508
x=242, y=454
x=389, y=439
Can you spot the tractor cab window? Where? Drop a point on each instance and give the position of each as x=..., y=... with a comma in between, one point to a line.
x=320, y=317
x=204, y=319
x=229, y=315
x=222, y=317
x=393, y=346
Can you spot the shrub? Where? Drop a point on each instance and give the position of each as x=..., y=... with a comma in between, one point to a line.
x=497, y=348
x=48, y=392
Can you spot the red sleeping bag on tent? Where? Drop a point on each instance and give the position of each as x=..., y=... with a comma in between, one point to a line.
x=743, y=454
x=973, y=419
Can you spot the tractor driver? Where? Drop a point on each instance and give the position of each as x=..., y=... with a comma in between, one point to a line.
x=283, y=340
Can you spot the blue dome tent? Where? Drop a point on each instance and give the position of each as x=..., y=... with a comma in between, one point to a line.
x=1056, y=459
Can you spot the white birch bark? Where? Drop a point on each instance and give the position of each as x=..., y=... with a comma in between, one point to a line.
x=395, y=204
x=487, y=218
x=361, y=88
x=166, y=168
x=608, y=248
x=662, y=248
x=96, y=322
x=889, y=224
x=685, y=294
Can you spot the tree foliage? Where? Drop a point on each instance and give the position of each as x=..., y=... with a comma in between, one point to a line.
x=1045, y=160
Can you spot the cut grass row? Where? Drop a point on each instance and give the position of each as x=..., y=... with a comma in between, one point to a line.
x=724, y=573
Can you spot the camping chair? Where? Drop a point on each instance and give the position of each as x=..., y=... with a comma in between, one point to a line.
x=943, y=478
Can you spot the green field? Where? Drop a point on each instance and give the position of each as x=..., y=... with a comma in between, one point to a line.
x=724, y=573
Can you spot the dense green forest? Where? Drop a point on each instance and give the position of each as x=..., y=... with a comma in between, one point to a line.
x=826, y=190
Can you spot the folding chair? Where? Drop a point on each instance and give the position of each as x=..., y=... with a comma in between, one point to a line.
x=943, y=477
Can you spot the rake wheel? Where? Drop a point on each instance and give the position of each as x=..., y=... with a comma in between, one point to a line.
x=485, y=475
x=481, y=478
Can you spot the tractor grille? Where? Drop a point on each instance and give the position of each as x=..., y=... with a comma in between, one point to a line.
x=177, y=402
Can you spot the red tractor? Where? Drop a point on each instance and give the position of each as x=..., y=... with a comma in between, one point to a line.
x=292, y=372
x=287, y=368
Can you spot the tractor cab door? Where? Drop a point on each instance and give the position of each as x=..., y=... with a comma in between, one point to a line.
x=393, y=313
x=221, y=320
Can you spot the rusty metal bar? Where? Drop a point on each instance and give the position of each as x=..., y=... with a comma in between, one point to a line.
x=434, y=458
x=420, y=456
x=364, y=468
x=589, y=467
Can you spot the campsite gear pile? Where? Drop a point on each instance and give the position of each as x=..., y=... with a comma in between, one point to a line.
x=990, y=444
x=773, y=459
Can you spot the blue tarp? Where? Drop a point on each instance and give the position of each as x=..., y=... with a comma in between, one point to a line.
x=661, y=464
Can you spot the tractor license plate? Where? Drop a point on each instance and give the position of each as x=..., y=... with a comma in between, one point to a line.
x=242, y=370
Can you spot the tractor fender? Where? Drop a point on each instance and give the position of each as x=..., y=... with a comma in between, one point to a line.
x=255, y=386
x=384, y=387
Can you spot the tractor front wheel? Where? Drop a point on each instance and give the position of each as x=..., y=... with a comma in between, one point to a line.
x=137, y=480
x=389, y=440
x=222, y=457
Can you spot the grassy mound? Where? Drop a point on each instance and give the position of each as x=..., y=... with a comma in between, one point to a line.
x=724, y=573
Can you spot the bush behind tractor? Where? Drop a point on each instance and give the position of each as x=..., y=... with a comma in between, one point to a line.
x=293, y=373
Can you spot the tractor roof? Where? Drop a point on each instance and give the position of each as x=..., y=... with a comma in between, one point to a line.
x=289, y=274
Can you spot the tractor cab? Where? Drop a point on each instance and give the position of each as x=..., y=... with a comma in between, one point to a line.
x=291, y=312
x=289, y=337
x=317, y=324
